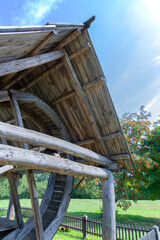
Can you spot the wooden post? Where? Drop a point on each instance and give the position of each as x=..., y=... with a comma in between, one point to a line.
x=35, y=205
x=15, y=198
x=30, y=175
x=84, y=226
x=109, y=219
x=11, y=211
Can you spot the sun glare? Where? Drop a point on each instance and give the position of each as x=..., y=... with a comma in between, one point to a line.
x=153, y=7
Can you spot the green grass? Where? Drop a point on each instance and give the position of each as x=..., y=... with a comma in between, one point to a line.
x=143, y=213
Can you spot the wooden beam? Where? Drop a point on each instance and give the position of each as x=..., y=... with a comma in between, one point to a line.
x=85, y=142
x=11, y=210
x=80, y=51
x=16, y=113
x=63, y=98
x=15, y=198
x=8, y=131
x=5, y=169
x=35, y=50
x=72, y=93
x=109, y=219
x=54, y=68
x=111, y=136
x=68, y=39
x=93, y=83
x=119, y=156
x=93, y=140
x=35, y=205
x=25, y=63
x=41, y=76
x=30, y=175
x=36, y=160
x=84, y=103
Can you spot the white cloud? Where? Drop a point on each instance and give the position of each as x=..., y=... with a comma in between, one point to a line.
x=156, y=60
x=33, y=11
x=154, y=107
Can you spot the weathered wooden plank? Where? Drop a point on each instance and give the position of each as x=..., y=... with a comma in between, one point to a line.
x=35, y=50
x=84, y=103
x=8, y=131
x=15, y=199
x=68, y=39
x=112, y=135
x=120, y=156
x=11, y=210
x=63, y=98
x=25, y=63
x=93, y=83
x=36, y=160
x=5, y=169
x=109, y=219
x=80, y=51
x=35, y=205
x=16, y=113
x=52, y=69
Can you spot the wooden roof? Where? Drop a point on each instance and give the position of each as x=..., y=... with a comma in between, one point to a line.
x=58, y=64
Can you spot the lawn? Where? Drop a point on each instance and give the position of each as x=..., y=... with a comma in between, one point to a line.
x=143, y=213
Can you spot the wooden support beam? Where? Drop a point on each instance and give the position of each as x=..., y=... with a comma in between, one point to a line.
x=111, y=136
x=80, y=51
x=63, y=98
x=54, y=68
x=30, y=175
x=93, y=83
x=41, y=76
x=120, y=156
x=36, y=160
x=109, y=219
x=16, y=113
x=25, y=63
x=68, y=39
x=72, y=93
x=11, y=210
x=93, y=140
x=8, y=131
x=15, y=198
x=84, y=103
x=5, y=169
x=85, y=142
x=35, y=50
x=35, y=205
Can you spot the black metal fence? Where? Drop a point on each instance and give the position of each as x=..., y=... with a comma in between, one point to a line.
x=94, y=227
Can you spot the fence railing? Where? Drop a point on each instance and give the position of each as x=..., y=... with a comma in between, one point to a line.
x=94, y=227
x=90, y=226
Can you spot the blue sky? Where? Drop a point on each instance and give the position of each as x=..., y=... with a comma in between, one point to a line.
x=126, y=36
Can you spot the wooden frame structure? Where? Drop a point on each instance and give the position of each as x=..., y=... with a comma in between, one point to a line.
x=53, y=94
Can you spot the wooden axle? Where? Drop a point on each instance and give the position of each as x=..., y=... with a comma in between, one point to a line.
x=8, y=131
x=35, y=160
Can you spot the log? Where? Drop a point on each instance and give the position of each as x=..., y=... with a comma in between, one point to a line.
x=35, y=205
x=11, y=210
x=8, y=131
x=5, y=169
x=109, y=219
x=35, y=160
x=15, y=198
x=25, y=63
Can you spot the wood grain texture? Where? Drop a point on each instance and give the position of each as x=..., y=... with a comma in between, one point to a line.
x=35, y=205
x=35, y=160
x=22, y=64
x=32, y=137
x=109, y=219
